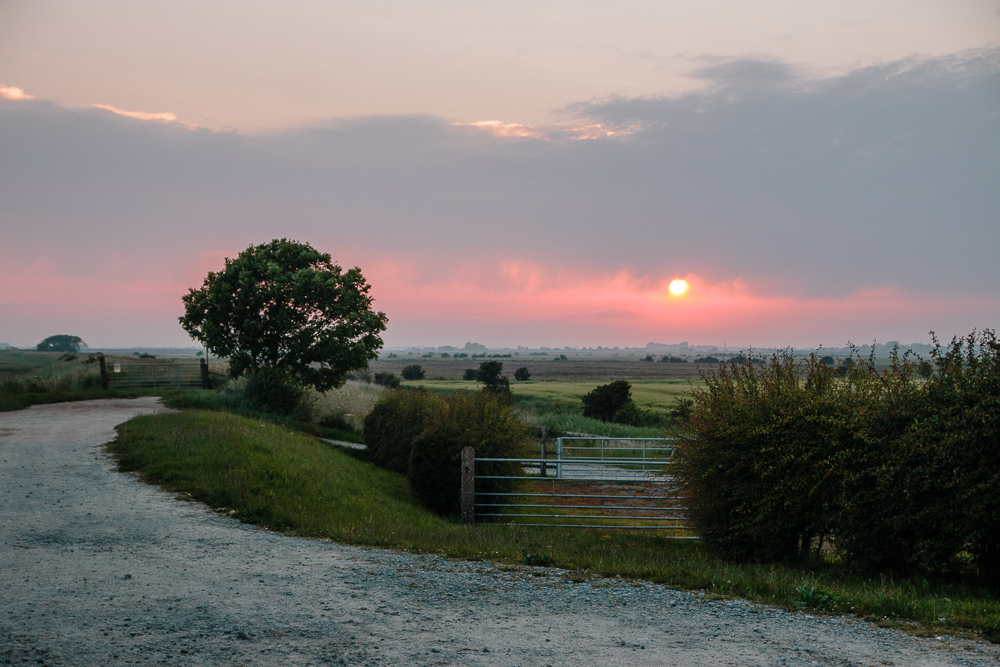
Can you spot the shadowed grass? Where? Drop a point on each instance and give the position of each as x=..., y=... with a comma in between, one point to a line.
x=265, y=474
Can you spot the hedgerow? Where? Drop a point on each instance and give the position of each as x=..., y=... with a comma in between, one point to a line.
x=899, y=468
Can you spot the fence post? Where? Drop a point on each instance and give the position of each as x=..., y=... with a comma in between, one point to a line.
x=468, y=485
x=542, y=464
x=204, y=375
x=104, y=371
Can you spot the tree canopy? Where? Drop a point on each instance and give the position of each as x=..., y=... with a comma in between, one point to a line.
x=286, y=307
x=61, y=343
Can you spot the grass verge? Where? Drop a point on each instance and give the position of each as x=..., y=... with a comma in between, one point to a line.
x=265, y=474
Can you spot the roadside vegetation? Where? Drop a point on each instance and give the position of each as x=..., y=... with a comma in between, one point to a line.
x=268, y=475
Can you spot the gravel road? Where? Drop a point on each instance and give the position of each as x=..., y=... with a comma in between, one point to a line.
x=99, y=569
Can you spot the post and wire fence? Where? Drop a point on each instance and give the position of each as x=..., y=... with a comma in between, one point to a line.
x=586, y=482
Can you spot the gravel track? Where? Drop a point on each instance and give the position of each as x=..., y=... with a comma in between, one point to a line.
x=97, y=568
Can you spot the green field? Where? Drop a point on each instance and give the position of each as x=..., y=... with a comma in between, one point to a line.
x=658, y=396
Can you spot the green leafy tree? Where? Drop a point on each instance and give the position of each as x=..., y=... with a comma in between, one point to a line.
x=285, y=309
x=470, y=374
x=494, y=381
x=413, y=372
x=61, y=343
x=522, y=374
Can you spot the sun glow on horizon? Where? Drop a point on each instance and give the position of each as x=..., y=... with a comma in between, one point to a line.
x=678, y=287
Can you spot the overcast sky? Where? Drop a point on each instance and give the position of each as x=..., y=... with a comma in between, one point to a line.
x=521, y=174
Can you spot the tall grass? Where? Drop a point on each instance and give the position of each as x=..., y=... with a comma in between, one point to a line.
x=264, y=474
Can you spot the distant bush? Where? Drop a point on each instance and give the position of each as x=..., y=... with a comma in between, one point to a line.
x=386, y=379
x=707, y=360
x=470, y=374
x=413, y=372
x=666, y=359
x=398, y=417
x=611, y=403
x=480, y=420
x=522, y=374
x=490, y=373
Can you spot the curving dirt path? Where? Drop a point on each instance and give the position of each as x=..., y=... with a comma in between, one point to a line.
x=99, y=569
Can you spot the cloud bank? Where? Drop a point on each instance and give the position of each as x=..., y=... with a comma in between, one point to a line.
x=860, y=206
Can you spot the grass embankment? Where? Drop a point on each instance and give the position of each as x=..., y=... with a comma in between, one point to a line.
x=267, y=475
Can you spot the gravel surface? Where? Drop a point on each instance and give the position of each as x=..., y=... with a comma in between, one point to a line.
x=99, y=569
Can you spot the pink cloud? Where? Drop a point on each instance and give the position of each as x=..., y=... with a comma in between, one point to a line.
x=162, y=117
x=14, y=93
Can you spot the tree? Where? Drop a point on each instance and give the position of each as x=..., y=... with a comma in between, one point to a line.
x=522, y=374
x=286, y=309
x=470, y=374
x=493, y=379
x=413, y=372
x=61, y=343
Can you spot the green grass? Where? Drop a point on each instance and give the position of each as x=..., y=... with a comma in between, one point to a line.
x=658, y=396
x=265, y=474
x=557, y=405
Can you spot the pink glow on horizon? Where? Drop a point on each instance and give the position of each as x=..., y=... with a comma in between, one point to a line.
x=504, y=303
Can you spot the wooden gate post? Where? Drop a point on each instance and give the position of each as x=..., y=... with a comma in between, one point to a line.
x=104, y=371
x=468, y=485
x=204, y=375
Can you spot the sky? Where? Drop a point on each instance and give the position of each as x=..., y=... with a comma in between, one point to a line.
x=510, y=173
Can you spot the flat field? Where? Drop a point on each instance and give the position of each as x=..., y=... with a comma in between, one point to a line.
x=658, y=396
x=545, y=369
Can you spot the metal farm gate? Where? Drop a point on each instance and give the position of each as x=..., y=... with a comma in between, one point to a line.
x=588, y=482
x=153, y=375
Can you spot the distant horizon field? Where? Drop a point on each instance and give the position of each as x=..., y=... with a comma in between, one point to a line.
x=655, y=395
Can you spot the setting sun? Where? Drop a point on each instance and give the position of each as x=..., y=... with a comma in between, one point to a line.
x=678, y=287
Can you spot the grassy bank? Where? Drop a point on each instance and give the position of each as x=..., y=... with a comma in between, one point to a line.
x=267, y=475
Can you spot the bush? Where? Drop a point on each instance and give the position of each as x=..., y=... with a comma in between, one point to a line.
x=413, y=372
x=902, y=470
x=269, y=389
x=398, y=417
x=470, y=374
x=756, y=449
x=522, y=374
x=386, y=379
x=926, y=493
x=607, y=400
x=480, y=420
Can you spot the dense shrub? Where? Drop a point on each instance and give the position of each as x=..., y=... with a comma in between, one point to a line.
x=481, y=420
x=413, y=372
x=926, y=494
x=387, y=379
x=522, y=374
x=398, y=417
x=899, y=466
x=470, y=374
x=757, y=450
x=608, y=401
x=269, y=389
